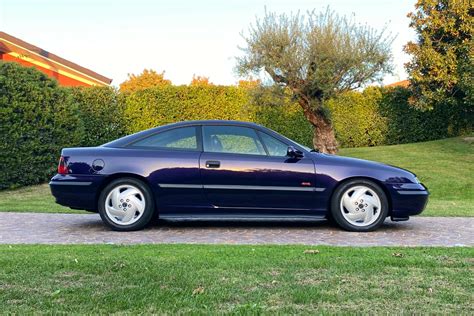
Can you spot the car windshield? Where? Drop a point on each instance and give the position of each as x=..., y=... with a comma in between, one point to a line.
x=303, y=146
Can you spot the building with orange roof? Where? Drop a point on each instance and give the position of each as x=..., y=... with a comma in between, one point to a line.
x=64, y=71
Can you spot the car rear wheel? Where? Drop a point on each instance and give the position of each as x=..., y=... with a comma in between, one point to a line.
x=126, y=204
x=359, y=205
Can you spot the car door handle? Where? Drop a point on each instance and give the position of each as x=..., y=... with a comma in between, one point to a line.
x=213, y=164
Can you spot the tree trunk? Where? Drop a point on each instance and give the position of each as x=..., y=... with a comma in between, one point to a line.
x=324, y=138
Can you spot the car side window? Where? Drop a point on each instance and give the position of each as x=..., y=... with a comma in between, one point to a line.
x=274, y=146
x=232, y=139
x=183, y=138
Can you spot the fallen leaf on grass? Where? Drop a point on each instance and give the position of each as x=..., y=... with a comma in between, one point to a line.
x=397, y=254
x=198, y=290
x=55, y=292
x=311, y=251
x=119, y=265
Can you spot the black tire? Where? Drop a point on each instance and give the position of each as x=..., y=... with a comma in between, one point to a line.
x=336, y=211
x=149, y=208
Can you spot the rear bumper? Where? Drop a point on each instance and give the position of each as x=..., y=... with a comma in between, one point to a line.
x=79, y=192
x=408, y=199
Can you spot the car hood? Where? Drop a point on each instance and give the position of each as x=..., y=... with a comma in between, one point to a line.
x=362, y=164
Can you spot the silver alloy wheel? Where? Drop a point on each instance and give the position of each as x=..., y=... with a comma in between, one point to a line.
x=125, y=204
x=360, y=205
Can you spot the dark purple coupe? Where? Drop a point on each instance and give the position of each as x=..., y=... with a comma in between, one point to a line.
x=230, y=170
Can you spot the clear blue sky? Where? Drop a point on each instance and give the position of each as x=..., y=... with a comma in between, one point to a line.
x=116, y=37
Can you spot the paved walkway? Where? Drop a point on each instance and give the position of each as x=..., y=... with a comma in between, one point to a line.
x=26, y=228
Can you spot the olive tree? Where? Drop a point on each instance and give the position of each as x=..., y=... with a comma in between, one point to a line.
x=317, y=56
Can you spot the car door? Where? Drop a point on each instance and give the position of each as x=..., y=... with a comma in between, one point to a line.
x=239, y=175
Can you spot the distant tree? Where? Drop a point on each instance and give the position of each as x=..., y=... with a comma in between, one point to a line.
x=249, y=84
x=200, y=81
x=442, y=55
x=317, y=56
x=147, y=79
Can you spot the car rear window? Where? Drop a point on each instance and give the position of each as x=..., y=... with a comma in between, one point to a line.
x=183, y=138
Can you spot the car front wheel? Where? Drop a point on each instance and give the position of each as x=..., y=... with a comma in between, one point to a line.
x=359, y=205
x=126, y=204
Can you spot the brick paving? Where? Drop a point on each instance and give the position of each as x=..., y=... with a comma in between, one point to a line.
x=37, y=228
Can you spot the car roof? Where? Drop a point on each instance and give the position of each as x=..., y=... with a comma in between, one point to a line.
x=131, y=138
x=214, y=122
x=124, y=141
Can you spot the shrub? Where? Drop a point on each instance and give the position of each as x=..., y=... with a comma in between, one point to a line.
x=100, y=113
x=376, y=116
x=288, y=121
x=274, y=108
x=168, y=104
x=37, y=119
x=356, y=118
x=383, y=116
x=408, y=124
x=162, y=105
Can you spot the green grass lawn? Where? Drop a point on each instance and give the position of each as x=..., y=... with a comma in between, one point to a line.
x=35, y=198
x=235, y=279
x=446, y=167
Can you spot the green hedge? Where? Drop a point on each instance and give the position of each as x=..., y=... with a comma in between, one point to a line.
x=376, y=116
x=275, y=109
x=383, y=116
x=163, y=105
x=37, y=119
x=356, y=119
x=406, y=124
x=100, y=113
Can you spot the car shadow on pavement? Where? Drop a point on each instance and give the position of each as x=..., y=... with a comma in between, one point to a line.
x=192, y=224
x=257, y=224
x=241, y=224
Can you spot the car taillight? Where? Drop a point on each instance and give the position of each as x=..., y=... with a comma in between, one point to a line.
x=62, y=167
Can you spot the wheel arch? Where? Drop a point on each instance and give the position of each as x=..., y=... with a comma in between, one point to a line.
x=119, y=175
x=376, y=181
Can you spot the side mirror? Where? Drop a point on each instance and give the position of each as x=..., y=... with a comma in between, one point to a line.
x=292, y=152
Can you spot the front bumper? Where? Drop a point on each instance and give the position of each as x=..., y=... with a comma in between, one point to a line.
x=408, y=199
x=78, y=192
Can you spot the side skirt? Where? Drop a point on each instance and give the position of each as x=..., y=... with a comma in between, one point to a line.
x=243, y=218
